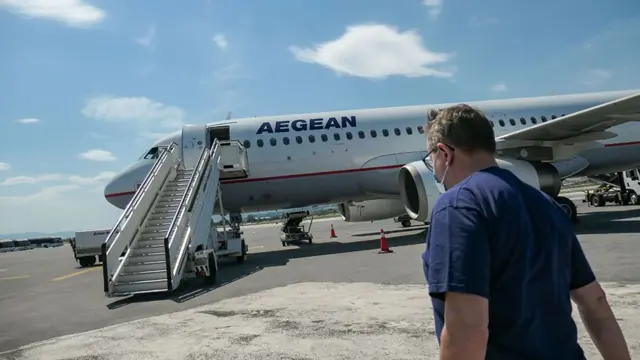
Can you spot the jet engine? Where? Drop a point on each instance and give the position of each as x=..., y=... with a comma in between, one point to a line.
x=418, y=190
x=371, y=210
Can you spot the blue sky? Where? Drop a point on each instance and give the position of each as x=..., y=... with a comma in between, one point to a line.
x=87, y=85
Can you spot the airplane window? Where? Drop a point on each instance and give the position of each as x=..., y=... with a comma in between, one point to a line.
x=152, y=154
x=385, y=132
x=247, y=144
x=512, y=122
x=312, y=139
x=285, y=140
x=523, y=121
x=562, y=115
x=409, y=131
x=543, y=118
x=373, y=133
x=501, y=122
x=533, y=120
x=361, y=134
x=336, y=137
x=396, y=131
x=492, y=124
x=260, y=143
x=299, y=139
x=420, y=129
x=324, y=137
x=553, y=117
x=349, y=135
x=273, y=142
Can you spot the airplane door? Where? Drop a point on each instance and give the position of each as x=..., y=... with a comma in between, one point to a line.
x=193, y=141
x=221, y=133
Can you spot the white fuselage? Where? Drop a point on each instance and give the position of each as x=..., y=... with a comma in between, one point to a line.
x=355, y=155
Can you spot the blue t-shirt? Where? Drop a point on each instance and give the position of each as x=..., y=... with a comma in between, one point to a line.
x=495, y=236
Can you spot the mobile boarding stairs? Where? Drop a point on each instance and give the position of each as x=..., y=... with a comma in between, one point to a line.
x=166, y=232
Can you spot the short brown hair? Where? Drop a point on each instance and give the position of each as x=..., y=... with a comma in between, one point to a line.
x=460, y=126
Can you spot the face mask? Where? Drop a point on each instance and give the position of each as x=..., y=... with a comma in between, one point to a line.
x=440, y=183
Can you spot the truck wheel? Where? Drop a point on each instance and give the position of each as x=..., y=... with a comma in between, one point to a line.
x=87, y=261
x=406, y=223
x=212, y=278
x=633, y=199
x=569, y=208
x=240, y=259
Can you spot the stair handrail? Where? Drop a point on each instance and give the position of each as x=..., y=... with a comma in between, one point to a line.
x=109, y=241
x=196, y=177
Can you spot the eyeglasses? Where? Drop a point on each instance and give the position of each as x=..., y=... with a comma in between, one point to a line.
x=427, y=160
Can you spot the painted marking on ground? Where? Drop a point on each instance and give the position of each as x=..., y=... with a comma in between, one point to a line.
x=15, y=277
x=77, y=273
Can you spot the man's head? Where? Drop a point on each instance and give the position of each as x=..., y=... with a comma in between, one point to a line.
x=460, y=141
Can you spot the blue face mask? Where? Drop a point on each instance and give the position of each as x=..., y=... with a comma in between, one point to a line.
x=440, y=184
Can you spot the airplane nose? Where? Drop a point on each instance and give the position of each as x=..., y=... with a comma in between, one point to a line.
x=117, y=193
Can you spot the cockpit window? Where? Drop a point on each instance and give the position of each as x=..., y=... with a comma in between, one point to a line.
x=153, y=153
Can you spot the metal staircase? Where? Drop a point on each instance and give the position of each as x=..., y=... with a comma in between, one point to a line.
x=169, y=215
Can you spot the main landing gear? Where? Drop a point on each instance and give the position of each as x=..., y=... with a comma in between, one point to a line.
x=569, y=208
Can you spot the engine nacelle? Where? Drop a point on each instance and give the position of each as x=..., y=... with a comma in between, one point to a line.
x=418, y=190
x=371, y=210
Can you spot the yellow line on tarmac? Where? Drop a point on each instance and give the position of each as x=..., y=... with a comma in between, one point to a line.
x=77, y=273
x=15, y=277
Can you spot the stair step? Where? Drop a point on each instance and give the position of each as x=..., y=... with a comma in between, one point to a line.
x=142, y=243
x=145, y=266
x=148, y=251
x=136, y=257
x=136, y=276
x=140, y=286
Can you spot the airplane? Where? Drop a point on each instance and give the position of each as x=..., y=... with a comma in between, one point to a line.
x=370, y=161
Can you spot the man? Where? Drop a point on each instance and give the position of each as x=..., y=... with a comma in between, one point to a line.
x=502, y=261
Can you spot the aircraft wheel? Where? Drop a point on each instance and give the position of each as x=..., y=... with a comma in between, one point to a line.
x=406, y=223
x=569, y=208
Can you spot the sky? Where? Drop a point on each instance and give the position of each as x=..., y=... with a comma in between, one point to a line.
x=92, y=83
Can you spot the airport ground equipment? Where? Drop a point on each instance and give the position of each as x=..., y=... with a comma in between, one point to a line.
x=621, y=188
x=167, y=227
x=87, y=246
x=404, y=220
x=293, y=231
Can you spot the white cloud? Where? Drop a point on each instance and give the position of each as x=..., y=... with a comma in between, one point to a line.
x=28, y=120
x=221, y=41
x=435, y=7
x=76, y=204
x=500, y=87
x=75, y=13
x=376, y=51
x=139, y=111
x=595, y=77
x=30, y=180
x=149, y=37
x=101, y=178
x=4, y=166
x=97, y=155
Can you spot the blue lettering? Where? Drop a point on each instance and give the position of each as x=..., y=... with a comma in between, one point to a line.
x=299, y=125
x=351, y=122
x=265, y=127
x=304, y=125
x=282, y=126
x=315, y=124
x=332, y=123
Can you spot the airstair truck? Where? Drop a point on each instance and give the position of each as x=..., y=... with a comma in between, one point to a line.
x=87, y=246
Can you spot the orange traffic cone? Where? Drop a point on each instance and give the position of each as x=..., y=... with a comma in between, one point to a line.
x=384, y=246
x=333, y=232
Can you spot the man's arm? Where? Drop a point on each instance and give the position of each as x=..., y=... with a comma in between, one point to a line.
x=459, y=275
x=594, y=309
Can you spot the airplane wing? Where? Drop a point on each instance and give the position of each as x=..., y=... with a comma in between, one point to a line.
x=577, y=126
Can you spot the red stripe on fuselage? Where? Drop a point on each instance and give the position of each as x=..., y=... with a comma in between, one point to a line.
x=334, y=172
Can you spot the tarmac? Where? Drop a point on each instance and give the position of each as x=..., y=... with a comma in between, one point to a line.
x=334, y=299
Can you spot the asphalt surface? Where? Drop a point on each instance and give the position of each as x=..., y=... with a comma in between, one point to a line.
x=45, y=294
